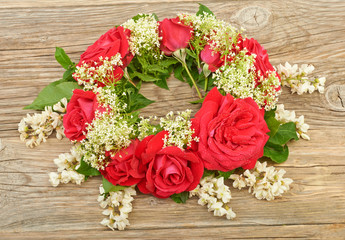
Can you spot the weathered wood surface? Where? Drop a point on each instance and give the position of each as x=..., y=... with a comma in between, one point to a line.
x=295, y=31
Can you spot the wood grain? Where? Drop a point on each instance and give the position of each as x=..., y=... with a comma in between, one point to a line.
x=295, y=31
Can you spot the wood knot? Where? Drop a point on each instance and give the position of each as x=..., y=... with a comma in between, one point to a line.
x=335, y=97
x=253, y=17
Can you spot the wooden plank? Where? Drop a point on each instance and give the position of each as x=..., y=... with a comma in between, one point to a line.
x=294, y=31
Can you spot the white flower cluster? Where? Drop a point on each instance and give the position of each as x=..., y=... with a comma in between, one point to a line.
x=36, y=128
x=179, y=128
x=285, y=116
x=264, y=182
x=215, y=194
x=109, y=131
x=237, y=77
x=109, y=100
x=67, y=163
x=102, y=71
x=145, y=128
x=144, y=35
x=221, y=35
x=297, y=78
x=117, y=205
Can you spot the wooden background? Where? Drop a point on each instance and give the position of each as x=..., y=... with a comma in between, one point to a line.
x=292, y=30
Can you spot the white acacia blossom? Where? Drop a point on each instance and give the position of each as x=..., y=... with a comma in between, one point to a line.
x=264, y=182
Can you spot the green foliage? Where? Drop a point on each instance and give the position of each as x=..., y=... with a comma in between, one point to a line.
x=62, y=58
x=226, y=175
x=208, y=173
x=276, y=153
x=136, y=17
x=148, y=69
x=203, y=9
x=109, y=187
x=180, y=197
x=272, y=123
x=87, y=170
x=53, y=93
x=276, y=148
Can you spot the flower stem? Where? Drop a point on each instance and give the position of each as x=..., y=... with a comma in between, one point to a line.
x=206, y=84
x=194, y=83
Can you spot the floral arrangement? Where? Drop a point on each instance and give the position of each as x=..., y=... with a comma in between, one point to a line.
x=239, y=125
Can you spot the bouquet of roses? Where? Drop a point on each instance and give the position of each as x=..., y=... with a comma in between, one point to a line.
x=96, y=106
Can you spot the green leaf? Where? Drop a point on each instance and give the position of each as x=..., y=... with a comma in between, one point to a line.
x=276, y=153
x=144, y=77
x=109, y=187
x=67, y=76
x=208, y=172
x=180, y=197
x=53, y=93
x=162, y=83
x=198, y=101
x=192, y=54
x=203, y=9
x=62, y=58
x=87, y=170
x=285, y=133
x=136, y=17
x=138, y=101
x=272, y=123
x=178, y=73
x=226, y=175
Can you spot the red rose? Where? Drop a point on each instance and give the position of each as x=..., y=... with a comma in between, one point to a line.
x=232, y=132
x=80, y=111
x=109, y=44
x=170, y=170
x=175, y=35
x=211, y=58
x=125, y=169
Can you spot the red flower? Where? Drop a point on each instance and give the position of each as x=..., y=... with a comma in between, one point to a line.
x=125, y=169
x=109, y=44
x=170, y=170
x=175, y=35
x=212, y=58
x=80, y=111
x=232, y=132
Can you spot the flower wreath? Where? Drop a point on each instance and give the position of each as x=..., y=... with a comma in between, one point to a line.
x=96, y=106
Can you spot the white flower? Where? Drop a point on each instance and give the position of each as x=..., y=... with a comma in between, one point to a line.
x=265, y=182
x=54, y=179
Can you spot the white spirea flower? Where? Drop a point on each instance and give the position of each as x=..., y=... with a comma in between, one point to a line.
x=215, y=195
x=144, y=38
x=117, y=205
x=35, y=129
x=109, y=131
x=238, y=79
x=285, y=116
x=298, y=80
x=264, y=182
x=179, y=128
x=101, y=71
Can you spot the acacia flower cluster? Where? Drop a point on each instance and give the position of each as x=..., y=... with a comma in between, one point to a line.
x=117, y=206
x=67, y=164
x=213, y=193
x=36, y=128
x=263, y=182
x=298, y=80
